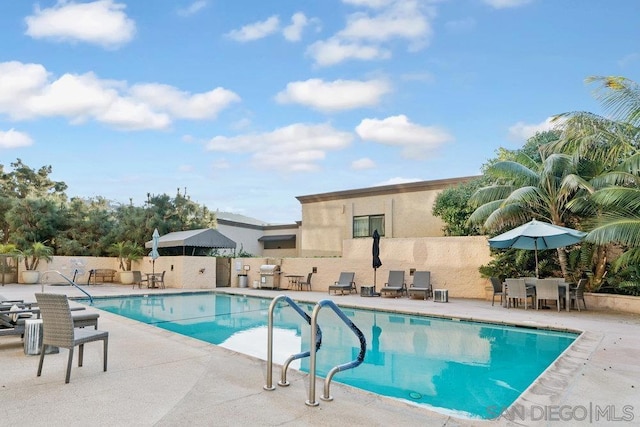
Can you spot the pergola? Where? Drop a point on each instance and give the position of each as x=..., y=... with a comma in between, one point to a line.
x=193, y=243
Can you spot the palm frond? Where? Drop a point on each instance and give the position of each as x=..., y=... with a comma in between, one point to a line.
x=529, y=196
x=615, y=178
x=514, y=171
x=616, y=229
x=620, y=96
x=480, y=215
x=627, y=259
x=623, y=198
x=489, y=194
x=509, y=215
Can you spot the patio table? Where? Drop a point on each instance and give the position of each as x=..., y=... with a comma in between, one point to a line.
x=294, y=281
x=531, y=282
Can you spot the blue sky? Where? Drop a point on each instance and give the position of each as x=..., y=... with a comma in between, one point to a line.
x=247, y=104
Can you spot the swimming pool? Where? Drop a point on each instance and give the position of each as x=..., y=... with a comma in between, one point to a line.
x=471, y=369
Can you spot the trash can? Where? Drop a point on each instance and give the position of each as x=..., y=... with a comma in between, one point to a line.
x=243, y=282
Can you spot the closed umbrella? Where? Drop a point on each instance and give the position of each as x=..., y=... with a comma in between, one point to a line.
x=536, y=235
x=375, y=251
x=154, y=254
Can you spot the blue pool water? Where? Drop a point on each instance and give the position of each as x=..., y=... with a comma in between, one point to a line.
x=473, y=369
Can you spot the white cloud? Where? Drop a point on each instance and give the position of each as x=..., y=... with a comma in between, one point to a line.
x=522, y=131
x=416, y=140
x=28, y=91
x=297, y=147
x=14, y=139
x=333, y=51
x=127, y=114
x=504, y=4
x=334, y=96
x=255, y=31
x=193, y=8
x=101, y=22
x=366, y=34
x=183, y=104
x=403, y=20
x=293, y=32
x=364, y=163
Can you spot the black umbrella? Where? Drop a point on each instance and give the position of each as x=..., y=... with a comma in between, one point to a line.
x=375, y=251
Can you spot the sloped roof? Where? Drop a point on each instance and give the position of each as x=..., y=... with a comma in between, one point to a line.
x=202, y=238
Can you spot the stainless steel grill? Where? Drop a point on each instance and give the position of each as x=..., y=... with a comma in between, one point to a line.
x=270, y=276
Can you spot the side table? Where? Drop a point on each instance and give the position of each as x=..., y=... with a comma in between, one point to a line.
x=33, y=338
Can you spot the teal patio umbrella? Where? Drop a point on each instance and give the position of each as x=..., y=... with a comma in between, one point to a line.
x=536, y=235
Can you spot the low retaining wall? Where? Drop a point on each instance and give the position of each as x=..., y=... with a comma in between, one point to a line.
x=612, y=302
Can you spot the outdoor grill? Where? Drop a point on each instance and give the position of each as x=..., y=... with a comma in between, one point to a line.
x=270, y=276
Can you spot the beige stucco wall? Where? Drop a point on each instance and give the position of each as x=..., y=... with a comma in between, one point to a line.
x=181, y=272
x=453, y=262
x=326, y=224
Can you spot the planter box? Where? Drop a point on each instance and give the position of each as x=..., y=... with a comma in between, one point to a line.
x=618, y=303
x=30, y=277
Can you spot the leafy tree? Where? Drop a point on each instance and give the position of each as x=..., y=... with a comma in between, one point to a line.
x=127, y=252
x=34, y=220
x=22, y=183
x=611, y=198
x=524, y=188
x=452, y=206
x=88, y=227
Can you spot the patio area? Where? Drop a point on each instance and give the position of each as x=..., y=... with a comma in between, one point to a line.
x=159, y=378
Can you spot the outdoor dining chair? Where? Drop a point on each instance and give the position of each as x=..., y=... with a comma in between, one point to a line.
x=547, y=289
x=59, y=331
x=497, y=289
x=516, y=290
x=576, y=294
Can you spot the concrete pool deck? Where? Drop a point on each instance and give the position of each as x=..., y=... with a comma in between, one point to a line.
x=159, y=378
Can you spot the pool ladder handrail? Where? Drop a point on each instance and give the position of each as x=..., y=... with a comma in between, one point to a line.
x=318, y=340
x=312, y=361
x=71, y=282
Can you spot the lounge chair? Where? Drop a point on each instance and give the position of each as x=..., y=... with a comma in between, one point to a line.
x=12, y=319
x=547, y=289
x=12, y=322
x=59, y=331
x=516, y=290
x=395, y=284
x=577, y=293
x=306, y=283
x=497, y=289
x=345, y=283
x=421, y=285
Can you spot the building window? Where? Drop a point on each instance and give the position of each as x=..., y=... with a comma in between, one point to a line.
x=363, y=226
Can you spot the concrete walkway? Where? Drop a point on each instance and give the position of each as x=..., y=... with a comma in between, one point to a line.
x=159, y=378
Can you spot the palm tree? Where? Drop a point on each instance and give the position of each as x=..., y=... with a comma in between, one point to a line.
x=615, y=147
x=524, y=189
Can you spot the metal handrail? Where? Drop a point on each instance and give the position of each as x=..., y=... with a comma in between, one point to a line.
x=317, y=337
x=71, y=282
x=312, y=361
